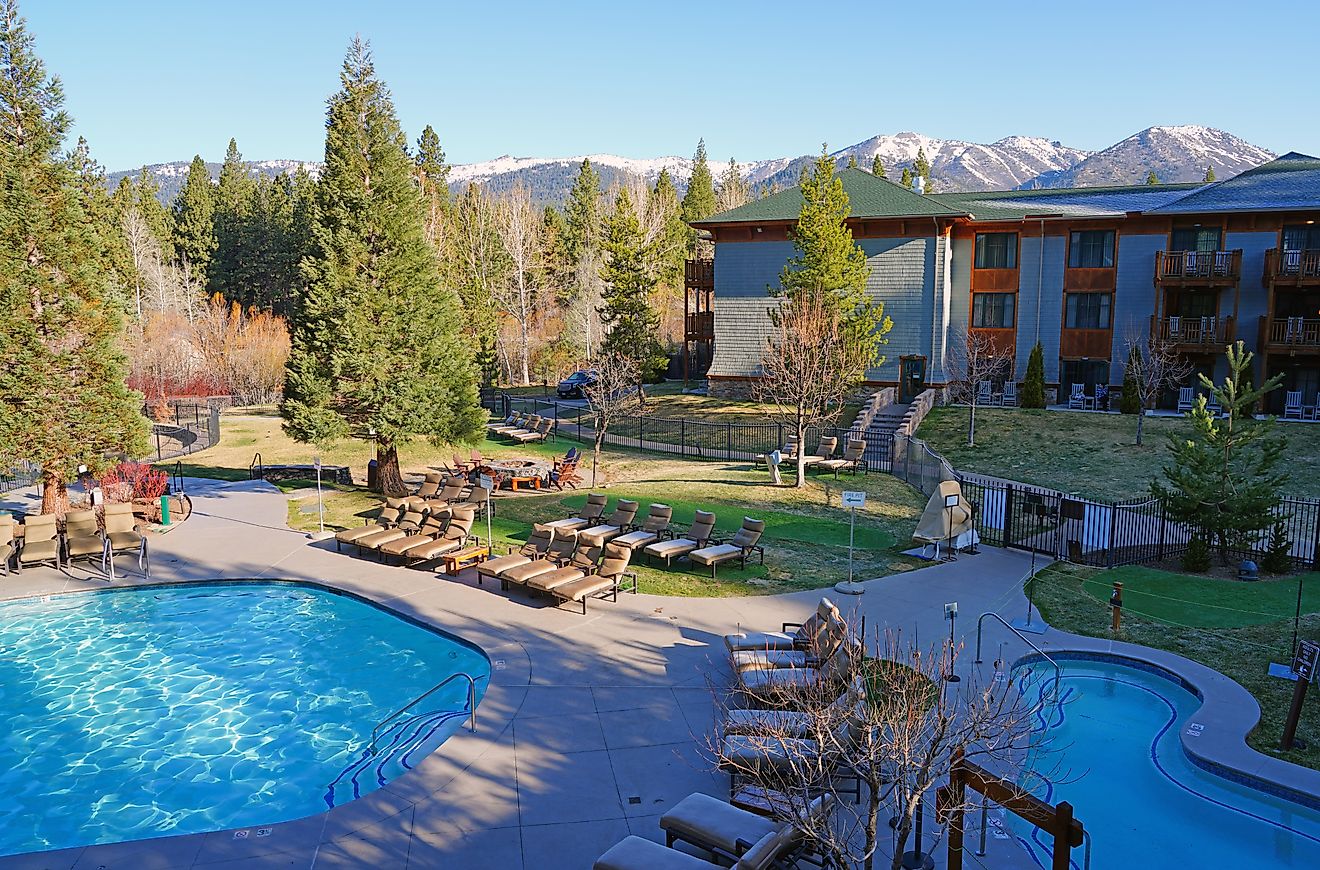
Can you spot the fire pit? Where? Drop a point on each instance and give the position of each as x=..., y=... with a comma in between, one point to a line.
x=516, y=473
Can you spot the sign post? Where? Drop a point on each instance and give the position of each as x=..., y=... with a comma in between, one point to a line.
x=851, y=499
x=321, y=534
x=488, y=484
x=1306, y=662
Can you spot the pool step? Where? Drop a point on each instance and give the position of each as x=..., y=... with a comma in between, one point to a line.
x=401, y=746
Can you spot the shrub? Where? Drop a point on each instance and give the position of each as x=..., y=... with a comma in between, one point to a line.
x=1197, y=557
x=1130, y=400
x=133, y=480
x=1276, y=559
x=1033, y=385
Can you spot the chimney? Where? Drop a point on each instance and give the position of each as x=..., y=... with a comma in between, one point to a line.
x=919, y=184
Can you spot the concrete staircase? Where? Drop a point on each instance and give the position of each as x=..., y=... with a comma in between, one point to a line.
x=887, y=420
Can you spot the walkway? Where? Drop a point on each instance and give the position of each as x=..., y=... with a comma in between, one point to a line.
x=592, y=727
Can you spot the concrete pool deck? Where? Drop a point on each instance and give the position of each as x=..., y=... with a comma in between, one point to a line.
x=592, y=727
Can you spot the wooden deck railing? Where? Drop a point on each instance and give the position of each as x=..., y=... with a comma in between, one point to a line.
x=701, y=325
x=1300, y=267
x=1293, y=331
x=1184, y=267
x=1196, y=330
x=699, y=273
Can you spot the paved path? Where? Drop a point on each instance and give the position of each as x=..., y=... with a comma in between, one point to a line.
x=591, y=728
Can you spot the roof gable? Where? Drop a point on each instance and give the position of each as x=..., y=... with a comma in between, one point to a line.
x=868, y=197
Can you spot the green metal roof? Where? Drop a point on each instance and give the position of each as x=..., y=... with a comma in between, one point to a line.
x=1287, y=183
x=868, y=197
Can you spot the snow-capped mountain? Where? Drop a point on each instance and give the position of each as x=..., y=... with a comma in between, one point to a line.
x=1174, y=153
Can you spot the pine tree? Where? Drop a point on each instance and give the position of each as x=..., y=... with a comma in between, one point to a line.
x=231, y=262
x=63, y=397
x=1129, y=401
x=103, y=212
x=632, y=326
x=922, y=169
x=480, y=266
x=906, y=178
x=146, y=198
x=669, y=247
x=1209, y=174
x=852, y=161
x=733, y=190
x=699, y=202
x=194, y=218
x=433, y=179
x=582, y=212
x=1033, y=385
x=376, y=349
x=1151, y=178
x=878, y=166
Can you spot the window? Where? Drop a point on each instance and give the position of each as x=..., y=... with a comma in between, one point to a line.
x=996, y=250
x=1302, y=237
x=1196, y=239
x=994, y=310
x=1087, y=372
x=1087, y=311
x=1091, y=249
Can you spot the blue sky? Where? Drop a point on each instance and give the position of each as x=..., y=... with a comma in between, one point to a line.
x=151, y=81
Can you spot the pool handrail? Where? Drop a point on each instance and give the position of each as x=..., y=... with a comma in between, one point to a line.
x=471, y=710
x=981, y=620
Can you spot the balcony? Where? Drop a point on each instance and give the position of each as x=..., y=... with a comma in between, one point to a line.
x=1197, y=268
x=700, y=326
x=1296, y=268
x=1291, y=334
x=699, y=274
x=1195, y=333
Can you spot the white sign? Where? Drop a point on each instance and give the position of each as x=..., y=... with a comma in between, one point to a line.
x=854, y=498
x=487, y=481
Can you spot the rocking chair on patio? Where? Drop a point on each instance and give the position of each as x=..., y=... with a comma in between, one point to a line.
x=565, y=471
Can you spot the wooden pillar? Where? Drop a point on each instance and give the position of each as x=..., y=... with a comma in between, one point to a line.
x=956, y=797
x=1063, y=821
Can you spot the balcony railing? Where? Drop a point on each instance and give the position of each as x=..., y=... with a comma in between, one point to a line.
x=1196, y=331
x=701, y=325
x=1292, y=267
x=1293, y=332
x=699, y=273
x=1197, y=267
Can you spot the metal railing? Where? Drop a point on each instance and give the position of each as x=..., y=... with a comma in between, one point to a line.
x=980, y=622
x=471, y=710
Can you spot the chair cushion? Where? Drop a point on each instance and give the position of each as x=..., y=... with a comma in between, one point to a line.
x=584, y=588
x=749, y=659
x=635, y=853
x=398, y=546
x=39, y=551
x=433, y=549
x=492, y=567
x=85, y=546
x=765, y=851
x=349, y=536
x=553, y=579
x=633, y=540
x=599, y=534
x=703, y=820
x=572, y=524
x=787, y=723
x=760, y=681
x=747, y=751
x=714, y=555
x=759, y=640
x=125, y=540
x=671, y=549
x=379, y=539
x=528, y=570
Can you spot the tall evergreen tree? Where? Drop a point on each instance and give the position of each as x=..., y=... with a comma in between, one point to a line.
x=194, y=218
x=376, y=349
x=583, y=213
x=1152, y=178
x=699, y=202
x=906, y=178
x=63, y=397
x=480, y=266
x=852, y=161
x=631, y=325
x=1033, y=385
x=1209, y=174
x=105, y=222
x=921, y=169
x=234, y=239
x=878, y=166
x=669, y=247
x=146, y=197
x=433, y=179
x=734, y=191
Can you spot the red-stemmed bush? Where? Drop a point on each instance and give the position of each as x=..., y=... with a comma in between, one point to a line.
x=129, y=481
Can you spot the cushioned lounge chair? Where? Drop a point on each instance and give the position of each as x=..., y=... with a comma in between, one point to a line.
x=6, y=542
x=610, y=578
x=778, y=685
x=821, y=648
x=801, y=636
x=82, y=538
x=744, y=542
x=653, y=528
x=793, y=723
x=476, y=499
x=430, y=485
x=617, y=523
x=752, y=757
x=432, y=527
x=529, y=428
x=510, y=421
x=455, y=536
x=584, y=561
x=562, y=547
x=453, y=491
x=593, y=510
x=538, y=543
x=41, y=541
x=540, y=433
x=388, y=518
x=777, y=848
x=703, y=523
x=851, y=458
x=724, y=830
x=409, y=524
x=122, y=536
x=824, y=450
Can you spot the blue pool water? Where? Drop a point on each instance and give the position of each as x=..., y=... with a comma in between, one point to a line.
x=144, y=712
x=1112, y=746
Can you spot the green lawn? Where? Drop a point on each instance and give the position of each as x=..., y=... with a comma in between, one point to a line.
x=1087, y=454
x=1234, y=627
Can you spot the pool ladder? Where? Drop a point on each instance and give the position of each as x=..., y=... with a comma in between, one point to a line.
x=471, y=710
x=980, y=622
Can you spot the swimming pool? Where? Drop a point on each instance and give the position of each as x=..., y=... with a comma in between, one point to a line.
x=172, y=710
x=1112, y=745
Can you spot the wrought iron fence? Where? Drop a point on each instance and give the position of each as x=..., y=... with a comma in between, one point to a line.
x=182, y=428
x=21, y=475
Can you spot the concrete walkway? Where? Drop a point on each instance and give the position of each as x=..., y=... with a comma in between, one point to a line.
x=592, y=727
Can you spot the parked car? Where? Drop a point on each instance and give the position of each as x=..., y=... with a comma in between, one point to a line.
x=575, y=385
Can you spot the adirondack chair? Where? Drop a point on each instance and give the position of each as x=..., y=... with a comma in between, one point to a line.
x=1212, y=405
x=1292, y=405
x=1315, y=409
x=1077, y=398
x=1175, y=327
x=1293, y=330
x=1186, y=398
x=565, y=471
x=983, y=391
x=1010, y=394
x=1209, y=329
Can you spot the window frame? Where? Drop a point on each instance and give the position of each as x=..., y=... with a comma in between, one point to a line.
x=1010, y=250
x=1006, y=303
x=1216, y=229
x=1070, y=308
x=1108, y=253
x=1311, y=231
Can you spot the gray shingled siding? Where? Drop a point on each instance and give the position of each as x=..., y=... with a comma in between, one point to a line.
x=749, y=268
x=902, y=277
x=1134, y=293
x=1254, y=303
x=742, y=329
x=960, y=286
x=1040, y=290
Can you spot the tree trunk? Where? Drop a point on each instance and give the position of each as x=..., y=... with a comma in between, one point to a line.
x=801, y=479
x=388, y=476
x=901, y=834
x=1141, y=418
x=971, y=423
x=524, y=347
x=595, y=452
x=54, y=493
x=872, y=822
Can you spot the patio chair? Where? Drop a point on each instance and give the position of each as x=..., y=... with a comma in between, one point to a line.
x=529, y=426
x=788, y=453
x=1077, y=397
x=82, y=537
x=564, y=472
x=540, y=433
x=562, y=547
x=697, y=536
x=983, y=392
x=607, y=582
x=453, y=491
x=1292, y=330
x=410, y=523
x=1212, y=405
x=6, y=542
x=388, y=518
x=1315, y=409
x=822, y=646
x=1186, y=399
x=794, y=723
x=510, y=421
x=432, y=527
x=585, y=560
x=802, y=636
x=123, y=536
x=430, y=485
x=824, y=450
x=1175, y=327
x=624, y=513
x=538, y=542
x=1209, y=330
x=740, y=546
x=477, y=499
x=778, y=685
x=456, y=534
x=1292, y=405
x=1010, y=398
x=775, y=849
x=41, y=541
x=654, y=528
x=593, y=510
x=852, y=458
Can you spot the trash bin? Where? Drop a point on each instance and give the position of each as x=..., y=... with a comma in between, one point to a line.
x=373, y=475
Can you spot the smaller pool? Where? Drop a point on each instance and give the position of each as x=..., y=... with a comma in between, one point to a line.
x=1111, y=741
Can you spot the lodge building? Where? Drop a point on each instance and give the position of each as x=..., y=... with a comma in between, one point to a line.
x=1080, y=270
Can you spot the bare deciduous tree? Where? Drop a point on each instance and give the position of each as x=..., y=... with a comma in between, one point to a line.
x=613, y=398
x=1154, y=366
x=522, y=232
x=809, y=367
x=975, y=358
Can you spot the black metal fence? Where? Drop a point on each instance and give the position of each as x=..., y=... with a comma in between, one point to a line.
x=182, y=428
x=21, y=475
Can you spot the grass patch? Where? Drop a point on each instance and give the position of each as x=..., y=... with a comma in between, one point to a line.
x=1087, y=454
x=1198, y=624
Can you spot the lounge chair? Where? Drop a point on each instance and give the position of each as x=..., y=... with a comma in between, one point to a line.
x=775, y=685
x=430, y=485
x=529, y=427
x=617, y=523
x=794, y=723
x=697, y=536
x=409, y=524
x=388, y=517
x=538, y=542
x=1186, y=399
x=585, y=560
x=758, y=757
x=802, y=637
x=852, y=458
x=540, y=433
x=593, y=510
x=477, y=499
x=722, y=829
x=562, y=547
x=122, y=536
x=637, y=853
x=1292, y=405
x=1010, y=398
x=824, y=450
x=41, y=541
x=453, y=491
x=653, y=528
x=82, y=537
x=740, y=546
x=984, y=390
x=454, y=537
x=607, y=582
x=821, y=646
x=512, y=421
x=6, y=542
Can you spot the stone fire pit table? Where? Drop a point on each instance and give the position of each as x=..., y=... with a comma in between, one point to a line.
x=516, y=473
